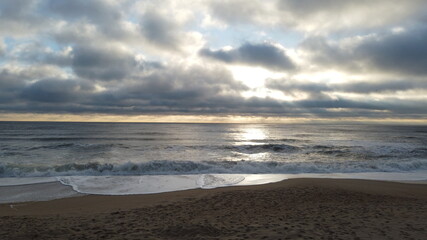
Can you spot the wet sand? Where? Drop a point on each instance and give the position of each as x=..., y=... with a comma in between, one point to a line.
x=291, y=209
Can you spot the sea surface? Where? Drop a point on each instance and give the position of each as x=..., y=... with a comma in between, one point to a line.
x=99, y=151
x=138, y=158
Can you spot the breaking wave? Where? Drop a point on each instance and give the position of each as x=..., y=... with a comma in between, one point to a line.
x=188, y=167
x=262, y=148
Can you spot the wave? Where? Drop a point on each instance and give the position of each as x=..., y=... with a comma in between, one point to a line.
x=188, y=167
x=56, y=146
x=249, y=149
x=367, y=153
x=262, y=148
x=152, y=133
x=286, y=140
x=77, y=147
x=149, y=137
x=50, y=139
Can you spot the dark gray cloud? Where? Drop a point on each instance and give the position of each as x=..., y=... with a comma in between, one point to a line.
x=89, y=20
x=380, y=87
x=290, y=87
x=57, y=91
x=103, y=63
x=36, y=53
x=338, y=103
x=404, y=53
x=194, y=90
x=105, y=15
x=322, y=100
x=15, y=9
x=11, y=83
x=175, y=89
x=96, y=11
x=239, y=11
x=310, y=7
x=264, y=54
x=18, y=18
x=2, y=48
x=317, y=16
x=327, y=54
x=160, y=30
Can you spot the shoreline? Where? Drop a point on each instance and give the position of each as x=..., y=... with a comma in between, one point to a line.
x=417, y=190
x=33, y=189
x=18, y=190
x=294, y=208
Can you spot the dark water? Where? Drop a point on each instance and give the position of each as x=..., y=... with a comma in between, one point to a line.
x=58, y=149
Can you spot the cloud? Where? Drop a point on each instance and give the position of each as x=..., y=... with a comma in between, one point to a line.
x=326, y=15
x=403, y=53
x=160, y=30
x=19, y=18
x=10, y=84
x=167, y=89
x=316, y=16
x=103, y=63
x=36, y=52
x=13, y=79
x=166, y=31
x=263, y=54
x=2, y=48
x=138, y=57
x=97, y=11
x=380, y=87
x=105, y=15
x=293, y=87
x=238, y=11
x=196, y=89
x=56, y=91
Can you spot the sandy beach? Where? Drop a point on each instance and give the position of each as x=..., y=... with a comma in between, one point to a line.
x=291, y=209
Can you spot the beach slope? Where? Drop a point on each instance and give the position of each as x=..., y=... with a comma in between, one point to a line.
x=291, y=209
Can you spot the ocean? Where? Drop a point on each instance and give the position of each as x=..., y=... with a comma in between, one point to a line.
x=74, y=153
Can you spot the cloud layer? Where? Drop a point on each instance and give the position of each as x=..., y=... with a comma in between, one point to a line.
x=283, y=58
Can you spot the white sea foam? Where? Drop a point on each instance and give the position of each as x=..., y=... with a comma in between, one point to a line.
x=126, y=185
x=123, y=185
x=219, y=180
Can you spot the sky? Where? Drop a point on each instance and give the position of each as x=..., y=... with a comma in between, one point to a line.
x=213, y=60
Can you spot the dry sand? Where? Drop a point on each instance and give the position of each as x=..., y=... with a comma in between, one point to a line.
x=292, y=209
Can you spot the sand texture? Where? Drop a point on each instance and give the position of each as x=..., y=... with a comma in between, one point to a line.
x=292, y=209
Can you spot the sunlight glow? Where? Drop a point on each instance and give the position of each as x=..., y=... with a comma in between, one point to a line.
x=251, y=134
x=265, y=92
x=331, y=76
x=253, y=77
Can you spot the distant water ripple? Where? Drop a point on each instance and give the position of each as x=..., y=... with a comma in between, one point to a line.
x=66, y=149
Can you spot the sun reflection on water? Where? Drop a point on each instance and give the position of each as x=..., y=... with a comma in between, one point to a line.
x=253, y=134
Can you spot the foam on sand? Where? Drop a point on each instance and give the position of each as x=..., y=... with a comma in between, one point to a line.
x=18, y=189
x=13, y=181
x=35, y=192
